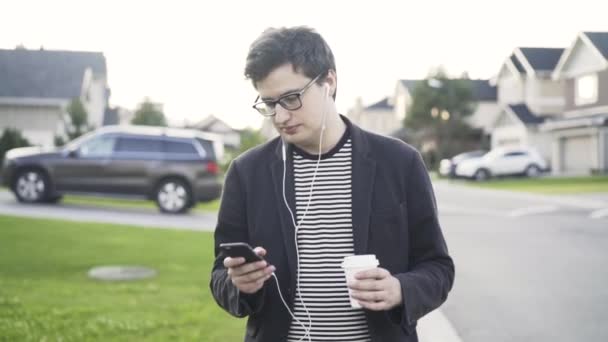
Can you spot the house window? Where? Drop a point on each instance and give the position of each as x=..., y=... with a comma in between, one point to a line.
x=585, y=89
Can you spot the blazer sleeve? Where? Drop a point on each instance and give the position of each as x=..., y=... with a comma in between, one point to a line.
x=431, y=270
x=232, y=227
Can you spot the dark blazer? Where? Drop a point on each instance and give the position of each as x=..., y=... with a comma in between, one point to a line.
x=394, y=217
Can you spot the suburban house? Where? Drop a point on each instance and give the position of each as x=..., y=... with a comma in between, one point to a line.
x=527, y=96
x=386, y=116
x=37, y=85
x=212, y=124
x=580, y=136
x=379, y=117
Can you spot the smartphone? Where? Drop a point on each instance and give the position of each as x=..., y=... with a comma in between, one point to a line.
x=239, y=249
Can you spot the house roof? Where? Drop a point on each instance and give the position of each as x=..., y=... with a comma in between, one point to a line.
x=541, y=59
x=600, y=41
x=517, y=64
x=380, y=105
x=524, y=114
x=594, y=40
x=46, y=73
x=482, y=89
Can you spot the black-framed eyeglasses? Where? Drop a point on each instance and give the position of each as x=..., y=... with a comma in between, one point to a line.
x=291, y=101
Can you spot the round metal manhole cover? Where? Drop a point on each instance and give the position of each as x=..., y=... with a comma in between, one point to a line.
x=118, y=273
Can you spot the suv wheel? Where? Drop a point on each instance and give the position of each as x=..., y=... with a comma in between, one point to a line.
x=31, y=186
x=481, y=175
x=533, y=171
x=173, y=196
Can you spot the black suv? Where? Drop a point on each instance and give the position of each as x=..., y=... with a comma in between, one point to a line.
x=174, y=167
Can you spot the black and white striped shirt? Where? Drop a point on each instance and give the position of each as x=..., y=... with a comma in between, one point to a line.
x=325, y=237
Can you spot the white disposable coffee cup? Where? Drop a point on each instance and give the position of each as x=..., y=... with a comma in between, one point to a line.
x=356, y=263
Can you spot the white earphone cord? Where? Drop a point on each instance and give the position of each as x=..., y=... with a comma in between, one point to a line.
x=297, y=226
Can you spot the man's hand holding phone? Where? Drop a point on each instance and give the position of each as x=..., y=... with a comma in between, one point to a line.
x=249, y=277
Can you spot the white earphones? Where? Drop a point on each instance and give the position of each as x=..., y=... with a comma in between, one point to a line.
x=298, y=224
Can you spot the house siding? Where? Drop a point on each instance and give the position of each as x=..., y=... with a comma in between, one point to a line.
x=485, y=116
x=544, y=96
x=510, y=90
x=380, y=121
x=39, y=125
x=602, y=98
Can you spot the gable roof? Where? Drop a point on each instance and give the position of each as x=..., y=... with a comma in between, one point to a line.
x=597, y=41
x=540, y=59
x=517, y=64
x=46, y=73
x=524, y=114
x=381, y=105
x=600, y=41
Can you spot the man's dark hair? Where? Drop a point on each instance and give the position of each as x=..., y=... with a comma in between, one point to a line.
x=299, y=46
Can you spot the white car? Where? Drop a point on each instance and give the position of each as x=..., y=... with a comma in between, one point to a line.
x=447, y=167
x=503, y=162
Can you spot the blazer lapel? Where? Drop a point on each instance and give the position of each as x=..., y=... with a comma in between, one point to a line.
x=364, y=171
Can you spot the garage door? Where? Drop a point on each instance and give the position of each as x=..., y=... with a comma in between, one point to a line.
x=577, y=154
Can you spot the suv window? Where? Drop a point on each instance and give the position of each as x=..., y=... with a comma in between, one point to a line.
x=208, y=148
x=179, y=147
x=515, y=154
x=100, y=146
x=138, y=145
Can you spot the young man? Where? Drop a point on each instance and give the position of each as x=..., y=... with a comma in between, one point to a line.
x=323, y=190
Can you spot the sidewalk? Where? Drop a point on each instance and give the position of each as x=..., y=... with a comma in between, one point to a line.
x=435, y=327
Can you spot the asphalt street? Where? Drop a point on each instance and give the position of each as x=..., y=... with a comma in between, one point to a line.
x=528, y=267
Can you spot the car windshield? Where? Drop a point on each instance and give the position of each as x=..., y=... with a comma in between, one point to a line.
x=74, y=144
x=468, y=155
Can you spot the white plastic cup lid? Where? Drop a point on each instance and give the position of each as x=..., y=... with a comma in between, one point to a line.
x=365, y=260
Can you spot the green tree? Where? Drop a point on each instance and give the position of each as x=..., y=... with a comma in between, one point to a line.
x=437, y=112
x=11, y=138
x=249, y=138
x=79, y=119
x=149, y=114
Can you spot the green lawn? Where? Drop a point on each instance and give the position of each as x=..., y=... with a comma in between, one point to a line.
x=549, y=185
x=111, y=202
x=212, y=206
x=45, y=294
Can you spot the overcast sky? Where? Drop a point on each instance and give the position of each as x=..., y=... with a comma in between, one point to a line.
x=189, y=55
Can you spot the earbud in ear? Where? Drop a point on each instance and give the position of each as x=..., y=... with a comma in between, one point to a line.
x=327, y=88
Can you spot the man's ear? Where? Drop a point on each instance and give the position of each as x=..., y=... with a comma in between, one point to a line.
x=331, y=81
